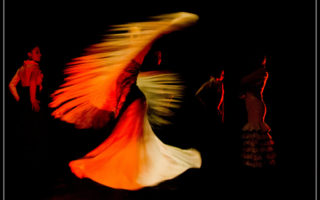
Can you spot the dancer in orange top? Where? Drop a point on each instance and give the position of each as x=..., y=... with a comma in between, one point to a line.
x=30, y=77
x=29, y=143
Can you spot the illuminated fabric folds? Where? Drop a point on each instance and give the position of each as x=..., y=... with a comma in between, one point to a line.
x=97, y=87
x=163, y=91
x=133, y=157
x=93, y=79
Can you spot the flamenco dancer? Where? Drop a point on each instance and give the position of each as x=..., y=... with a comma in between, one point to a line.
x=217, y=84
x=30, y=77
x=257, y=149
x=30, y=136
x=105, y=84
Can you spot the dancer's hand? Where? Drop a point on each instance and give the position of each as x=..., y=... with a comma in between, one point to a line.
x=17, y=98
x=35, y=105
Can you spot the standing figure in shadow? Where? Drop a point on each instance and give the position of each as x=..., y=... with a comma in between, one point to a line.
x=210, y=96
x=30, y=77
x=204, y=94
x=257, y=148
x=28, y=141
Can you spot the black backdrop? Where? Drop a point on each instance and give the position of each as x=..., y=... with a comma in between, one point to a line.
x=227, y=34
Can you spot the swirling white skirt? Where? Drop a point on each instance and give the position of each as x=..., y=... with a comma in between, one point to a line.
x=132, y=157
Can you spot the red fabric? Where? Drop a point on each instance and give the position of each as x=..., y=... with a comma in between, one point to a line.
x=115, y=162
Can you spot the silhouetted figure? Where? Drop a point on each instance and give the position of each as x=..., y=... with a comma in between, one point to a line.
x=29, y=139
x=30, y=77
x=211, y=95
x=257, y=142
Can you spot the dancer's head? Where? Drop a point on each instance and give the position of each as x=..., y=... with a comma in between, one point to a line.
x=34, y=53
x=264, y=62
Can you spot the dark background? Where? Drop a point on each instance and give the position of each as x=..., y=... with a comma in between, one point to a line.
x=228, y=36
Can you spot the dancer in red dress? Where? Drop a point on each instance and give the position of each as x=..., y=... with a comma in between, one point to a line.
x=98, y=90
x=257, y=142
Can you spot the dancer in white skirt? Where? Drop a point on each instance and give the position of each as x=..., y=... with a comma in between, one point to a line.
x=105, y=84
